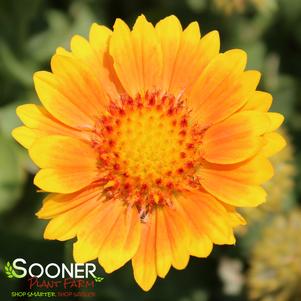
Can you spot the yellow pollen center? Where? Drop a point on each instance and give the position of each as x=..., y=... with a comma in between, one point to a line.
x=149, y=144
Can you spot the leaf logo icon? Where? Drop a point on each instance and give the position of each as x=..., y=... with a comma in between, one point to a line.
x=10, y=272
x=98, y=279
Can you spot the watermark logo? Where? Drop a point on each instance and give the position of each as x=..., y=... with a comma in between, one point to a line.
x=62, y=278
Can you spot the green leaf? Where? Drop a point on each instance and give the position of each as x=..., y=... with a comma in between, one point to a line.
x=16, y=68
x=60, y=30
x=12, y=173
x=256, y=54
x=285, y=95
x=9, y=119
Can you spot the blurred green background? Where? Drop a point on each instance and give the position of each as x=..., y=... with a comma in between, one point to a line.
x=266, y=262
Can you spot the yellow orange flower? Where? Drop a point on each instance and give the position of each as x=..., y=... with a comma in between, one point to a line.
x=147, y=140
x=229, y=7
x=275, y=269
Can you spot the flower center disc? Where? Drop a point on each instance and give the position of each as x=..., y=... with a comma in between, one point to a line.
x=147, y=145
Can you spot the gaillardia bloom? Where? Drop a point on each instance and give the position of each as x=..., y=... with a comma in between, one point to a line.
x=147, y=140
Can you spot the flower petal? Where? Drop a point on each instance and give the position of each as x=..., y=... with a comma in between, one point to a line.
x=169, y=31
x=52, y=96
x=93, y=233
x=256, y=170
x=273, y=143
x=177, y=237
x=237, y=184
x=112, y=234
x=207, y=218
x=95, y=54
x=68, y=164
x=276, y=120
x=164, y=242
x=36, y=117
x=26, y=136
x=193, y=56
x=70, y=217
x=200, y=244
x=259, y=101
x=235, y=218
x=223, y=79
x=144, y=261
x=62, y=51
x=56, y=204
x=185, y=55
x=72, y=93
x=80, y=83
x=137, y=56
x=235, y=139
x=122, y=241
x=163, y=247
